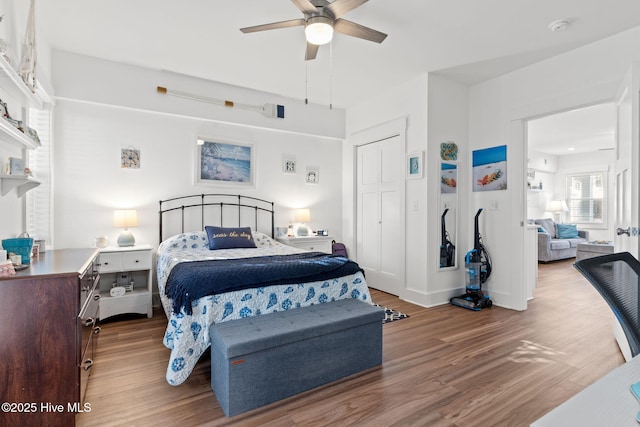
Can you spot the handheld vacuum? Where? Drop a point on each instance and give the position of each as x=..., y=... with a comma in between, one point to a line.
x=447, y=249
x=478, y=270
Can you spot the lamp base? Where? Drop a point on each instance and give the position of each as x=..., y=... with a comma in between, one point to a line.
x=302, y=230
x=126, y=239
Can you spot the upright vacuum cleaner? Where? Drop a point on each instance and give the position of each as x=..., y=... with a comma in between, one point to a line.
x=478, y=270
x=447, y=249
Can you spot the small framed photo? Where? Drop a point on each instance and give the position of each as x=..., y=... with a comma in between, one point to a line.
x=289, y=165
x=129, y=158
x=312, y=176
x=414, y=164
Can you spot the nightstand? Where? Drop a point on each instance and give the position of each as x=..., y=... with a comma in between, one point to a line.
x=129, y=266
x=310, y=243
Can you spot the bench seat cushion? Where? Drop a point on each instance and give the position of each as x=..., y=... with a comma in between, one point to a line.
x=262, y=359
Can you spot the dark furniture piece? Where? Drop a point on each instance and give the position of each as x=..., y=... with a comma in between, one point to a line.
x=48, y=332
x=615, y=276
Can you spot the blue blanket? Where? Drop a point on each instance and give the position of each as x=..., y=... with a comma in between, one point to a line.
x=189, y=281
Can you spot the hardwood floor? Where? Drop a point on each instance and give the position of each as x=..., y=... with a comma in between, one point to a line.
x=443, y=366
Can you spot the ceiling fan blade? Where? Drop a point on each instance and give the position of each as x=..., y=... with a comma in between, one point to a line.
x=340, y=7
x=311, y=52
x=356, y=30
x=305, y=6
x=274, y=26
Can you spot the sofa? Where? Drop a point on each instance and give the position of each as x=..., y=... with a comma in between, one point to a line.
x=558, y=241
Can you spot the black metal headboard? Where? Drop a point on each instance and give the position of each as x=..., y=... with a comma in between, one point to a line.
x=210, y=206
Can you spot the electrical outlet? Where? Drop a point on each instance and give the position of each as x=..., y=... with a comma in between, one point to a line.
x=493, y=205
x=414, y=206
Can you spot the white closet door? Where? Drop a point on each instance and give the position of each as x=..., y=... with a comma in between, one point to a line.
x=380, y=181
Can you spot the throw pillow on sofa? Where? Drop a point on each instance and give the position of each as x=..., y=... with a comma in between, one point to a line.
x=567, y=231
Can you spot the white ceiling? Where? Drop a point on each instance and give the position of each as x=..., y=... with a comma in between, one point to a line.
x=468, y=40
x=578, y=131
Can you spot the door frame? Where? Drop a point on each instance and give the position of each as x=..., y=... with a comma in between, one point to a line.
x=382, y=131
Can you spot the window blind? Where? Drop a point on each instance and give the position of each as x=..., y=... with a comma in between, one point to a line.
x=586, y=198
x=39, y=201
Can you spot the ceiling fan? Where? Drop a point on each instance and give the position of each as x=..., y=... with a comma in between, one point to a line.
x=321, y=19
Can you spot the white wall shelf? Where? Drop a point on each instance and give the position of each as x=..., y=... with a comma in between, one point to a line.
x=15, y=87
x=10, y=133
x=22, y=184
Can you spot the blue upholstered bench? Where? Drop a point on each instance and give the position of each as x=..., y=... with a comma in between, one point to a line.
x=259, y=360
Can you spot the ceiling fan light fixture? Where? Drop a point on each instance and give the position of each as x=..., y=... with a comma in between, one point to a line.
x=319, y=30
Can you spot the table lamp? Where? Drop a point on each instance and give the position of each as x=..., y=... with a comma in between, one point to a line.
x=557, y=207
x=302, y=216
x=125, y=218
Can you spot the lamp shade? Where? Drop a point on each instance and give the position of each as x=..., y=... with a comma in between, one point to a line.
x=557, y=206
x=318, y=30
x=125, y=218
x=303, y=215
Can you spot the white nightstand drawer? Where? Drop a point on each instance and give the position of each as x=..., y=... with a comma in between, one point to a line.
x=138, y=260
x=119, y=261
x=110, y=261
x=317, y=246
x=310, y=243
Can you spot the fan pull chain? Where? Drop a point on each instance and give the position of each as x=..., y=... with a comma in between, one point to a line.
x=306, y=82
x=331, y=75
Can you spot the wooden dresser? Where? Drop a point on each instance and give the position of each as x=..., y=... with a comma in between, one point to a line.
x=48, y=332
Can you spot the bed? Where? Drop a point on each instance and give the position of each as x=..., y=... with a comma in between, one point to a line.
x=186, y=267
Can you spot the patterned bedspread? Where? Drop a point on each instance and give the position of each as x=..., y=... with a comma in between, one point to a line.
x=188, y=335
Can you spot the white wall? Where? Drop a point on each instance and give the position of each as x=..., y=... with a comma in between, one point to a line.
x=544, y=166
x=435, y=111
x=407, y=101
x=105, y=106
x=581, y=77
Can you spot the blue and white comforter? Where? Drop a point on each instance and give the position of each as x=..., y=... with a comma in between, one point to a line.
x=188, y=335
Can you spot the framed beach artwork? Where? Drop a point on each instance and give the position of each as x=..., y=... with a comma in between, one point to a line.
x=490, y=169
x=448, y=178
x=225, y=163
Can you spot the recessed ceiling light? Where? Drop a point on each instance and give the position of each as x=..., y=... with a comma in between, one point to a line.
x=559, y=25
x=571, y=149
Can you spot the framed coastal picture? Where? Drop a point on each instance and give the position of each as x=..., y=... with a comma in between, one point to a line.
x=414, y=164
x=225, y=163
x=490, y=169
x=448, y=178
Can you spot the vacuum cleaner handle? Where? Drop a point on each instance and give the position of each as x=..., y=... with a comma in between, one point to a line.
x=444, y=227
x=476, y=233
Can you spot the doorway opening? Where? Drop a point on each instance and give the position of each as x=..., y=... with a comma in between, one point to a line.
x=570, y=159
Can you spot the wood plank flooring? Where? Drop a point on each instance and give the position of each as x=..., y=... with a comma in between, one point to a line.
x=443, y=366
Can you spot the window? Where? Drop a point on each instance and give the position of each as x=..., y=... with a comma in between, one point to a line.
x=586, y=198
x=39, y=200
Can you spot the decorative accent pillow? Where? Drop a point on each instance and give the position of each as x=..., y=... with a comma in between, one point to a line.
x=567, y=231
x=548, y=225
x=229, y=238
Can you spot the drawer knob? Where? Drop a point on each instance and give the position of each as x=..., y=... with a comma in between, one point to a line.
x=96, y=297
x=97, y=330
x=87, y=364
x=89, y=322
